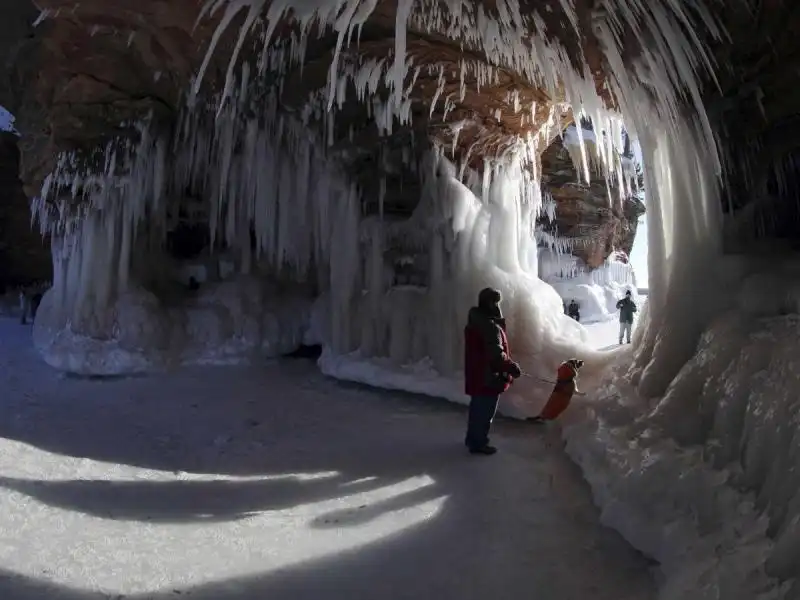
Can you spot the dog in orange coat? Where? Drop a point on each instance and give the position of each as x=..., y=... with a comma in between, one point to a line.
x=561, y=396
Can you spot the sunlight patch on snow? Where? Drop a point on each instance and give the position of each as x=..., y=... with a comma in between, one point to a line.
x=114, y=553
x=35, y=457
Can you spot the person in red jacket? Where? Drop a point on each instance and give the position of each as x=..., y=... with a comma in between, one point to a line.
x=488, y=368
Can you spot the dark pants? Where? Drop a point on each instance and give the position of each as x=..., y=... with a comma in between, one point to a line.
x=35, y=302
x=481, y=414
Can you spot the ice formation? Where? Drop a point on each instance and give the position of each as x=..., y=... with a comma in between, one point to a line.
x=474, y=229
x=702, y=477
x=102, y=257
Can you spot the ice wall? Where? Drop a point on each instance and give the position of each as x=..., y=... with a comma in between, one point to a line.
x=238, y=321
x=105, y=253
x=702, y=477
x=411, y=338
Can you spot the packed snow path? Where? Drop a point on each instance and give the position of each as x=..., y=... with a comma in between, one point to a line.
x=604, y=335
x=276, y=483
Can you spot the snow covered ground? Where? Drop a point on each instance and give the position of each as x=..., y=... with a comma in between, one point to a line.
x=604, y=335
x=244, y=483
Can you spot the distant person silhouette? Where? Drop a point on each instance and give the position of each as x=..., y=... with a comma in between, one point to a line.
x=574, y=310
x=626, y=308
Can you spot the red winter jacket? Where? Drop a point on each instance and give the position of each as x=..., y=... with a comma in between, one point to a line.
x=487, y=360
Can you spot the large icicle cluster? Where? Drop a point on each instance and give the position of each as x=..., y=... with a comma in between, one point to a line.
x=669, y=62
x=409, y=337
x=91, y=207
x=590, y=154
x=265, y=176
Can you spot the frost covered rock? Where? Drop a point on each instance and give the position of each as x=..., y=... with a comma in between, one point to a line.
x=593, y=223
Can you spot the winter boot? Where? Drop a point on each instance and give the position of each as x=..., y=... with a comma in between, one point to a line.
x=485, y=450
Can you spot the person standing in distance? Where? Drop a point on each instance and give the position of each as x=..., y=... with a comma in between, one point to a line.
x=626, y=308
x=488, y=368
x=574, y=310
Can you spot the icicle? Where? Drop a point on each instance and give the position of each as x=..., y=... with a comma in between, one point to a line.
x=400, y=35
x=342, y=26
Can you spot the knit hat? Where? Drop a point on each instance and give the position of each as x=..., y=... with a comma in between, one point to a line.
x=489, y=297
x=489, y=302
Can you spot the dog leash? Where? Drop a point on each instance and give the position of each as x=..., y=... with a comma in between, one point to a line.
x=529, y=376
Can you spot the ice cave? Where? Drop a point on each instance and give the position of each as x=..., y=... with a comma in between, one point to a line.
x=222, y=182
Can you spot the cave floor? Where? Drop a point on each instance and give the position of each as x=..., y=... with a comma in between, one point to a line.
x=274, y=483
